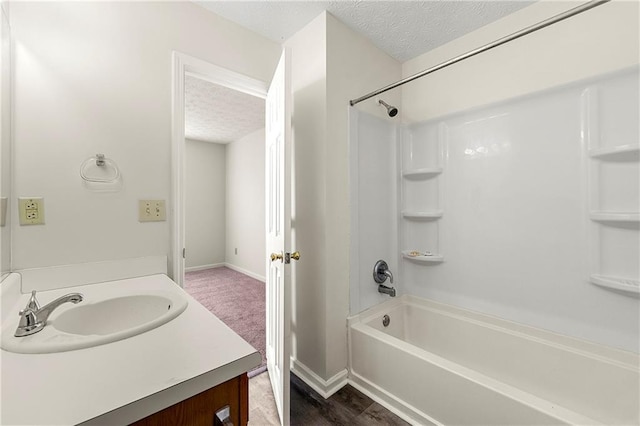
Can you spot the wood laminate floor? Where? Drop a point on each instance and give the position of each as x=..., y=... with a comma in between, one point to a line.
x=262, y=407
x=348, y=406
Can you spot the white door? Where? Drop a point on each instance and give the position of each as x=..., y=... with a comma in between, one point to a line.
x=278, y=227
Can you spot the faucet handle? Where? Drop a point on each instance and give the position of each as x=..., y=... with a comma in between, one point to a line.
x=33, y=304
x=381, y=272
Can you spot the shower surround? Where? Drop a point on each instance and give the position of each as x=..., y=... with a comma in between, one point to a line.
x=525, y=210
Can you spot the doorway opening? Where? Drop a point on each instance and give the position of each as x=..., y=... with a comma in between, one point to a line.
x=218, y=217
x=224, y=205
x=276, y=181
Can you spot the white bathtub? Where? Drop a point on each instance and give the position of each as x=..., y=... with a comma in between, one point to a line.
x=437, y=364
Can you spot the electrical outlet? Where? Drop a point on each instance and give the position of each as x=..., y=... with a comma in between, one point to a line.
x=31, y=211
x=151, y=211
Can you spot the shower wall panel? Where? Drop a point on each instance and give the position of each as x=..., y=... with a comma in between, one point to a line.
x=374, y=205
x=533, y=214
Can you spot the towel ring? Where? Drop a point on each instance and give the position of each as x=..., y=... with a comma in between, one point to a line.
x=99, y=169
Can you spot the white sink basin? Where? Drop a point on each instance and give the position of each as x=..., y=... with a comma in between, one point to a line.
x=96, y=321
x=114, y=315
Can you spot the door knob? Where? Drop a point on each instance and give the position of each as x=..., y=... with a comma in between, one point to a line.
x=295, y=255
x=276, y=256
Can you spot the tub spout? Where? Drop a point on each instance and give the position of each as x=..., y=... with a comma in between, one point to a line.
x=391, y=291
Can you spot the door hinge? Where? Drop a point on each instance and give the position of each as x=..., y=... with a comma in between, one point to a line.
x=184, y=253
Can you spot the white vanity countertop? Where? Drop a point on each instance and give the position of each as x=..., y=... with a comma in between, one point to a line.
x=123, y=381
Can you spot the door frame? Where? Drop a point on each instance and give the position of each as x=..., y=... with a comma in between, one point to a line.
x=181, y=66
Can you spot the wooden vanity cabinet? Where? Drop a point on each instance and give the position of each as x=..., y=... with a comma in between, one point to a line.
x=201, y=409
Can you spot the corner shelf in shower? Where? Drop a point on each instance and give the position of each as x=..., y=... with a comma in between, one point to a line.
x=433, y=258
x=613, y=249
x=424, y=173
x=615, y=216
x=620, y=152
x=432, y=214
x=622, y=284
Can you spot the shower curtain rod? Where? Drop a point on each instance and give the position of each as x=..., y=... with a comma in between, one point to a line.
x=540, y=25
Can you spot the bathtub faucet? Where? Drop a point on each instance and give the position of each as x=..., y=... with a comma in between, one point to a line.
x=380, y=274
x=391, y=291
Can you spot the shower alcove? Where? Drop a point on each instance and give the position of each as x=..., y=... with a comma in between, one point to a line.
x=525, y=213
x=527, y=209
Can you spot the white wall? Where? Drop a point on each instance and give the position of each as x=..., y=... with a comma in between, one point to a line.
x=308, y=74
x=245, y=205
x=494, y=207
x=224, y=186
x=354, y=67
x=598, y=41
x=96, y=77
x=5, y=142
x=331, y=65
x=205, y=194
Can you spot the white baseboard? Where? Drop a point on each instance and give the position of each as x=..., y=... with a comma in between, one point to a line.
x=203, y=267
x=244, y=271
x=406, y=412
x=325, y=388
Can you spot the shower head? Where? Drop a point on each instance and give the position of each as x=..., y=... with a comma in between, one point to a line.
x=391, y=110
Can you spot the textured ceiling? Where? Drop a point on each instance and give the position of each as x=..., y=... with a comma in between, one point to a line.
x=403, y=29
x=216, y=114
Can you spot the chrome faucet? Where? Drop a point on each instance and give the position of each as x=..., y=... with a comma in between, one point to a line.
x=391, y=291
x=380, y=274
x=33, y=318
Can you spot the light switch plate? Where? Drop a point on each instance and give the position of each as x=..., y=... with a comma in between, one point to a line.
x=151, y=211
x=31, y=211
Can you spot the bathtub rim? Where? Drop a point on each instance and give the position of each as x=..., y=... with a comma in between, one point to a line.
x=416, y=416
x=360, y=323
x=602, y=353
